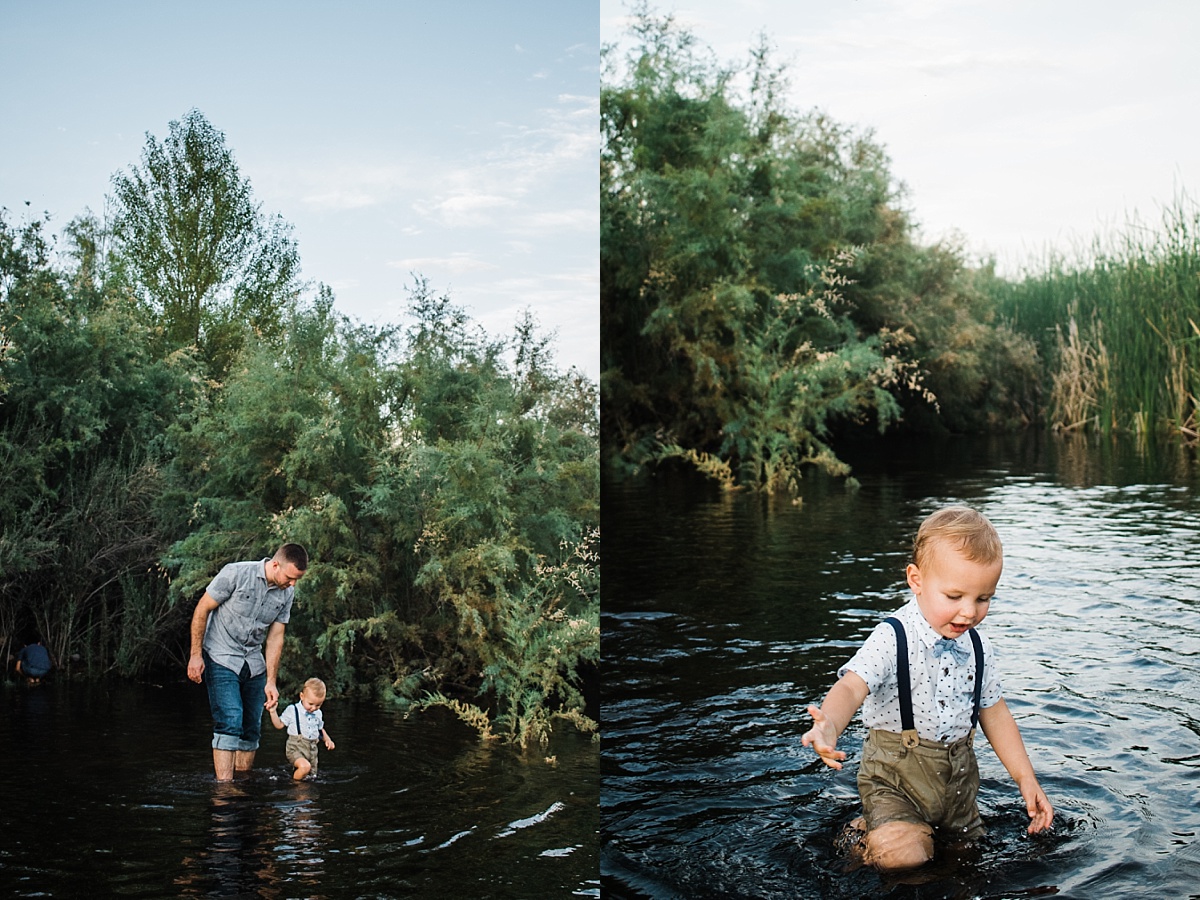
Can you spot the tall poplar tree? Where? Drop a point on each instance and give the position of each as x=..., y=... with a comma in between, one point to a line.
x=193, y=242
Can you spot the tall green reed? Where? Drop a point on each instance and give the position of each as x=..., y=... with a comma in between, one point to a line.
x=1118, y=325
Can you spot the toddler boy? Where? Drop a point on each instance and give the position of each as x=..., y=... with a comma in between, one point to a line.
x=306, y=726
x=924, y=678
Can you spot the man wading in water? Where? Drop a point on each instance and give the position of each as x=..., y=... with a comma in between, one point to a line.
x=245, y=603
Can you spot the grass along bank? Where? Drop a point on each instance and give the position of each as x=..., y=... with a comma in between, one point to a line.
x=1119, y=328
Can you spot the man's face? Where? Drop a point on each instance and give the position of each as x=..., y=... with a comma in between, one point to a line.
x=283, y=575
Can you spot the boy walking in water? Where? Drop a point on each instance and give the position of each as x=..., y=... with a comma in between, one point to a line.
x=305, y=725
x=924, y=679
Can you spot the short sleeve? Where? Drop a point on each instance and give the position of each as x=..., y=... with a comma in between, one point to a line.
x=875, y=661
x=221, y=588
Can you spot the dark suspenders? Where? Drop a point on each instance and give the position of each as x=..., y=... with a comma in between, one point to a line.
x=904, y=680
x=978, y=645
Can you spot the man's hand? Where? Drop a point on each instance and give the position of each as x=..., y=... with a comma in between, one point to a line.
x=823, y=739
x=195, y=668
x=272, y=693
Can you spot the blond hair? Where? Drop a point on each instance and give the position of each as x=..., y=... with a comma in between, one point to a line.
x=315, y=687
x=966, y=530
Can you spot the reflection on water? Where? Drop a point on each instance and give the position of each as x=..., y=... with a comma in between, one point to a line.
x=237, y=858
x=725, y=615
x=109, y=791
x=270, y=847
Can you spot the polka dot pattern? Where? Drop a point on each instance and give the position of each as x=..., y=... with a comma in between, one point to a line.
x=942, y=690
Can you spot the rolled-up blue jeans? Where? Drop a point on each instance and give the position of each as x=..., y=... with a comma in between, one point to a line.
x=236, y=700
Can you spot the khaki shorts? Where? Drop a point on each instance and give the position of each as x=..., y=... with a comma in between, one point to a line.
x=932, y=783
x=298, y=746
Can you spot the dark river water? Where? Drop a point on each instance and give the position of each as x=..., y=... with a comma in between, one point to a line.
x=724, y=615
x=108, y=792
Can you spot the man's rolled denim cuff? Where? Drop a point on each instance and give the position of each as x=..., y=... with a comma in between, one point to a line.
x=229, y=742
x=247, y=746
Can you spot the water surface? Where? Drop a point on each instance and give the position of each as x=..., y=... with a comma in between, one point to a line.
x=725, y=615
x=109, y=792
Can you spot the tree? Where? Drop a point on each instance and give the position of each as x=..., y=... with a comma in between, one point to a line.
x=490, y=488
x=449, y=501
x=725, y=338
x=82, y=417
x=193, y=242
x=761, y=290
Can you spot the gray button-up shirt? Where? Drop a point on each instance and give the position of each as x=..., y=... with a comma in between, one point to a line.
x=249, y=605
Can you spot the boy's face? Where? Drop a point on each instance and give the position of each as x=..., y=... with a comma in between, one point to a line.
x=311, y=701
x=952, y=591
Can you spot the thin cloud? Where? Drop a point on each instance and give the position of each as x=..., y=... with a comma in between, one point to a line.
x=343, y=187
x=341, y=199
x=561, y=219
x=515, y=183
x=958, y=64
x=454, y=263
x=465, y=209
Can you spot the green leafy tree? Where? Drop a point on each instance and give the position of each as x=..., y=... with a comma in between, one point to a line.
x=435, y=481
x=194, y=244
x=493, y=470
x=977, y=373
x=294, y=428
x=81, y=426
x=761, y=291
x=720, y=315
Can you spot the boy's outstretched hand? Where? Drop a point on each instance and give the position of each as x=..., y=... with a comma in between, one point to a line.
x=1037, y=804
x=822, y=737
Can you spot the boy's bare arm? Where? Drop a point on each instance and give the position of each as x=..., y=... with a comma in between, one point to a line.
x=328, y=740
x=832, y=717
x=275, y=720
x=1005, y=737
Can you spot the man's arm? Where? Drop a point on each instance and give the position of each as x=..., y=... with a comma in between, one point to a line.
x=1005, y=737
x=273, y=651
x=204, y=609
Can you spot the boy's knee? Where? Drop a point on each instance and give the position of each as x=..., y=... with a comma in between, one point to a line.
x=899, y=845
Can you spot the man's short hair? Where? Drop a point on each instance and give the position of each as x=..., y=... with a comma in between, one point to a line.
x=294, y=554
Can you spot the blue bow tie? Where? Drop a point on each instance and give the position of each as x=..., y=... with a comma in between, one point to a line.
x=945, y=645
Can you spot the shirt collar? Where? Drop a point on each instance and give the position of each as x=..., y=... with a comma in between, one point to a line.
x=925, y=631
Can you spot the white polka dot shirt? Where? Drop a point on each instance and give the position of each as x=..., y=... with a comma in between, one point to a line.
x=942, y=689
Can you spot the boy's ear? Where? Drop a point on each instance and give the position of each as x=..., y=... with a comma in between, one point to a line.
x=913, y=574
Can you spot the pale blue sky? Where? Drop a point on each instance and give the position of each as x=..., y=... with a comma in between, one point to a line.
x=455, y=139
x=1019, y=124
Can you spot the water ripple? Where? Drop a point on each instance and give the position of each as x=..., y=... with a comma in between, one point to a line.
x=717, y=643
